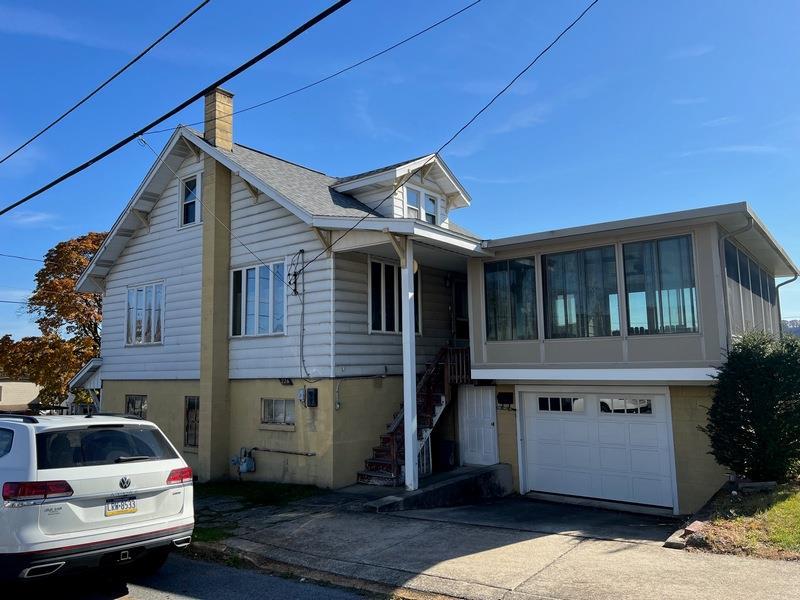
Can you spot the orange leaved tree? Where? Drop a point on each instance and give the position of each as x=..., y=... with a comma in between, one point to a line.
x=69, y=322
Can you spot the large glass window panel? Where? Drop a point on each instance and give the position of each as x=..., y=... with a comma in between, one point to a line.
x=278, y=298
x=522, y=281
x=250, y=302
x=660, y=286
x=390, y=296
x=376, y=286
x=498, y=300
x=264, y=276
x=139, y=314
x=430, y=209
x=580, y=290
x=131, y=336
x=236, y=304
x=148, y=314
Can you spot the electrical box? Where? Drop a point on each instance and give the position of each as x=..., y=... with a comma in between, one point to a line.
x=311, y=398
x=505, y=398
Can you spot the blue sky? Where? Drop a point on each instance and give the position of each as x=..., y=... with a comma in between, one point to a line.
x=644, y=107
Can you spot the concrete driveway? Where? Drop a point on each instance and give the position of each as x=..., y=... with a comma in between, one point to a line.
x=514, y=549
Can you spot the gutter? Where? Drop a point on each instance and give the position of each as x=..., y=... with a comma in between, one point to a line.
x=778, y=298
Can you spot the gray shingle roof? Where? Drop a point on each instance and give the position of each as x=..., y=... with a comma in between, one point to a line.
x=309, y=189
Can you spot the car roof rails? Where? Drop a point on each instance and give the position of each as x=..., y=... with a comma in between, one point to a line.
x=118, y=415
x=23, y=418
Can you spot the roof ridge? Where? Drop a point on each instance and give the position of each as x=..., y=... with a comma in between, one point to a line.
x=379, y=169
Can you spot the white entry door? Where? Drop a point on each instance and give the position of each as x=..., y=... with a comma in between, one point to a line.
x=477, y=425
x=612, y=445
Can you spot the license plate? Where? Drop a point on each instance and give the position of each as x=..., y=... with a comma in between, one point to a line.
x=120, y=506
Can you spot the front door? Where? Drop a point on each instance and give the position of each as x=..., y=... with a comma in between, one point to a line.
x=477, y=425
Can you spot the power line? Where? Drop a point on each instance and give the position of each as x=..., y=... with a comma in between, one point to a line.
x=12, y=302
x=119, y=72
x=21, y=257
x=205, y=207
x=457, y=133
x=332, y=75
x=238, y=70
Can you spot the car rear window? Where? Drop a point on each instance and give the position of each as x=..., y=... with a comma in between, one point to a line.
x=6, y=437
x=100, y=445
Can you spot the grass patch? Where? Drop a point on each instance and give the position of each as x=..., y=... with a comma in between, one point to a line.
x=211, y=534
x=256, y=493
x=765, y=524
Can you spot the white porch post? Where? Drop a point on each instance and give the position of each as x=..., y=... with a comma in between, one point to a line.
x=409, y=370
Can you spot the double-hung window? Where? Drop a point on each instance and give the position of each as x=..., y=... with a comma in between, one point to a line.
x=580, y=293
x=660, y=286
x=191, y=211
x=145, y=314
x=425, y=206
x=510, y=288
x=386, y=308
x=258, y=300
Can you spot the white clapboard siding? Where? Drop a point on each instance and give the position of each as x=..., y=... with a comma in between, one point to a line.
x=274, y=234
x=358, y=352
x=162, y=252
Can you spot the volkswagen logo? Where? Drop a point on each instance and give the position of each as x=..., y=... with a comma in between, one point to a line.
x=125, y=483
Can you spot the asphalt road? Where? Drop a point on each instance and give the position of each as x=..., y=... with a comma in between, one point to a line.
x=183, y=578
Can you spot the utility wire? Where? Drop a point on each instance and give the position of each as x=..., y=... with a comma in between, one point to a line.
x=12, y=302
x=238, y=70
x=332, y=75
x=456, y=134
x=119, y=72
x=21, y=257
x=205, y=207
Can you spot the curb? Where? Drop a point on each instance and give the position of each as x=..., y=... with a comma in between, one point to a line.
x=220, y=552
x=676, y=541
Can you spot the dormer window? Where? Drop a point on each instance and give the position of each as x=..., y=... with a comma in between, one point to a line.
x=191, y=212
x=412, y=203
x=424, y=206
x=430, y=210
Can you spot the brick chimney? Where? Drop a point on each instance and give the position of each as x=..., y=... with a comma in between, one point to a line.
x=219, y=119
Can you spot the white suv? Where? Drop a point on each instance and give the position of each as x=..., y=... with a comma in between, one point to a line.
x=98, y=491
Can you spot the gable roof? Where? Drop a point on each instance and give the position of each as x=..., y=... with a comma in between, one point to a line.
x=306, y=193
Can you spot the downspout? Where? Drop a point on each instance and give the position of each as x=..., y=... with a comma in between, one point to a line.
x=724, y=264
x=778, y=298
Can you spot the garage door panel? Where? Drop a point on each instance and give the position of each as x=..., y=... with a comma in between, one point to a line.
x=612, y=432
x=621, y=456
x=647, y=461
x=652, y=491
x=547, y=429
x=644, y=434
x=576, y=483
x=549, y=454
x=614, y=458
x=577, y=456
x=576, y=431
x=615, y=487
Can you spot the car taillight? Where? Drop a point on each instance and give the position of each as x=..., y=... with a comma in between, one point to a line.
x=183, y=475
x=36, y=490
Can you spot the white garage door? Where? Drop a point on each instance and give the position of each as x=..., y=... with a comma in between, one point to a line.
x=613, y=446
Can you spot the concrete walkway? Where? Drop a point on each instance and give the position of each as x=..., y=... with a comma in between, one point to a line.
x=514, y=549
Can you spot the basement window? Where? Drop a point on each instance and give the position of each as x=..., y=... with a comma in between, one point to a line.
x=136, y=405
x=277, y=411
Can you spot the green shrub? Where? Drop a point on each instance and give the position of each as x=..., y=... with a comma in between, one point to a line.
x=754, y=420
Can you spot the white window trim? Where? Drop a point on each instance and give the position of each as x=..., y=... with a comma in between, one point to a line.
x=440, y=205
x=382, y=331
x=198, y=209
x=270, y=333
x=136, y=344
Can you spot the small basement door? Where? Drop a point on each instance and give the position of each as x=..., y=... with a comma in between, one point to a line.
x=477, y=420
x=606, y=445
